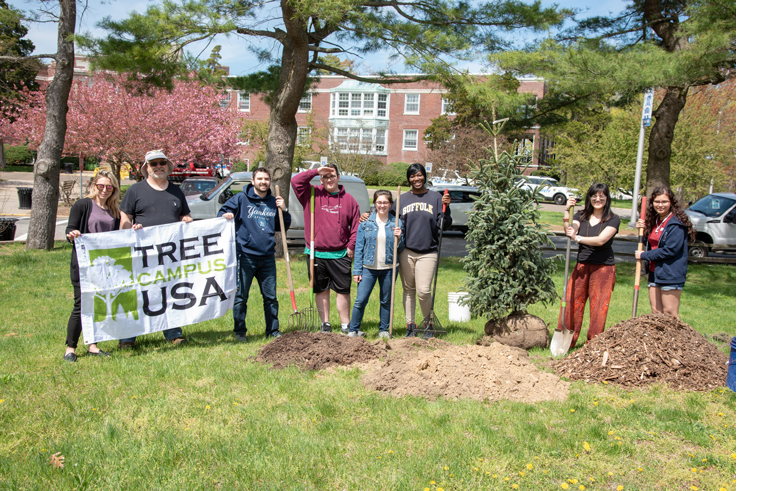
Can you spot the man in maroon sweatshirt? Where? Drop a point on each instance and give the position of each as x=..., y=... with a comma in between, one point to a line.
x=336, y=219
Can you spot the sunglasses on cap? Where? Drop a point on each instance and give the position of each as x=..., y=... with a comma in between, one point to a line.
x=102, y=187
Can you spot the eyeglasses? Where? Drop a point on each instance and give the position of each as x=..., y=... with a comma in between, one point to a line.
x=383, y=203
x=102, y=187
x=662, y=202
x=598, y=198
x=328, y=178
x=157, y=163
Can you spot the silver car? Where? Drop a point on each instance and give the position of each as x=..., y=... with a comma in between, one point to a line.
x=207, y=205
x=462, y=198
x=714, y=218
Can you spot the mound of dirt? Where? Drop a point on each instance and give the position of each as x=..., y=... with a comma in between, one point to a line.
x=654, y=348
x=315, y=351
x=482, y=373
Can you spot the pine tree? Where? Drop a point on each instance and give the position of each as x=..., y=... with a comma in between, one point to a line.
x=505, y=265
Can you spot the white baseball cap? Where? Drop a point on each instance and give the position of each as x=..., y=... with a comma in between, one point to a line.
x=154, y=155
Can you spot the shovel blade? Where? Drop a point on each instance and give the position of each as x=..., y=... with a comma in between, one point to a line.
x=556, y=343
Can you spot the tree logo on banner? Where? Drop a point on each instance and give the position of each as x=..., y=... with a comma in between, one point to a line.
x=111, y=276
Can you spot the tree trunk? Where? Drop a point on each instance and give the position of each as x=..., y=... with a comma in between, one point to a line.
x=45, y=196
x=281, y=141
x=661, y=136
x=2, y=154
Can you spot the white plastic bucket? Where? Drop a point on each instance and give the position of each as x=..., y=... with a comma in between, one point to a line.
x=457, y=312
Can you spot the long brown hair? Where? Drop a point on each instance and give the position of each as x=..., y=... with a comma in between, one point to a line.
x=652, y=214
x=113, y=199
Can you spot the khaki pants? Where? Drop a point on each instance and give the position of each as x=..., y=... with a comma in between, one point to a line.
x=416, y=275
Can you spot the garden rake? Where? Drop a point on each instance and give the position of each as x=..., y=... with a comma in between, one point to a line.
x=431, y=326
x=304, y=320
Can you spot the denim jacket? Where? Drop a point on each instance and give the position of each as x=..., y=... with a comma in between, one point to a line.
x=365, y=246
x=671, y=257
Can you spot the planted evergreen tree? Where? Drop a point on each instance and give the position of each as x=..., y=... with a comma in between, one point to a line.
x=505, y=265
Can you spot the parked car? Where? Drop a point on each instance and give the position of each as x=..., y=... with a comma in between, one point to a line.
x=207, y=205
x=183, y=171
x=551, y=190
x=195, y=186
x=462, y=198
x=714, y=218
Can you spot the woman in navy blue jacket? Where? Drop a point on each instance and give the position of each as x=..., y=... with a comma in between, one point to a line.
x=667, y=229
x=373, y=262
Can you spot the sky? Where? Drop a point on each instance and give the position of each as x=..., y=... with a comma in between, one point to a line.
x=234, y=49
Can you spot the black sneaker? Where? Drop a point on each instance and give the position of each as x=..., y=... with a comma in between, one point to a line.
x=411, y=330
x=240, y=338
x=326, y=327
x=71, y=357
x=273, y=335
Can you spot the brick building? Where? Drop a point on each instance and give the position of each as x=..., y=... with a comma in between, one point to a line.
x=387, y=121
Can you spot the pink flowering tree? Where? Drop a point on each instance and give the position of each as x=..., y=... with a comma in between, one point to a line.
x=109, y=120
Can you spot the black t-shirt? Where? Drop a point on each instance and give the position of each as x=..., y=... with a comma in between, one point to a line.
x=152, y=207
x=596, y=254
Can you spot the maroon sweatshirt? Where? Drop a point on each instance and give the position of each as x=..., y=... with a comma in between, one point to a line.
x=336, y=216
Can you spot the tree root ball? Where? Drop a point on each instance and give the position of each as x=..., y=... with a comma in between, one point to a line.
x=519, y=330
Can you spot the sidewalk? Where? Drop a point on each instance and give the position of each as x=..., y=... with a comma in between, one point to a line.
x=9, y=197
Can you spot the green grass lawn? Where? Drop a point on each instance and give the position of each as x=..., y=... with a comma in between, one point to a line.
x=201, y=416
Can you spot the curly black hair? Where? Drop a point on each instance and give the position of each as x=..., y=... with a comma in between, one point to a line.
x=651, y=215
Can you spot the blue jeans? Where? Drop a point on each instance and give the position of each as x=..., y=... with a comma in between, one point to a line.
x=264, y=269
x=364, y=288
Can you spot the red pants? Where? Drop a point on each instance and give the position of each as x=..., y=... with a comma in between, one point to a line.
x=594, y=282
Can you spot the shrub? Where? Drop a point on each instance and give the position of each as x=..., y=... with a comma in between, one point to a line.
x=240, y=166
x=18, y=155
x=393, y=175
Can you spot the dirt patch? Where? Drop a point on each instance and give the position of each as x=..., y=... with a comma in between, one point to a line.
x=654, y=348
x=482, y=373
x=426, y=368
x=316, y=351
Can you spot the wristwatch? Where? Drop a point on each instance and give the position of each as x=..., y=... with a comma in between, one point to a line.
x=578, y=239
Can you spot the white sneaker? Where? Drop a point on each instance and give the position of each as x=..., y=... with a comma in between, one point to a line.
x=384, y=334
x=355, y=334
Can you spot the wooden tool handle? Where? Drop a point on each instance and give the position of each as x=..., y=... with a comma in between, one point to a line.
x=287, y=256
x=638, y=267
x=394, y=262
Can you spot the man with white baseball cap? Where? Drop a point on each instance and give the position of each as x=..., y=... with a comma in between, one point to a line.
x=154, y=201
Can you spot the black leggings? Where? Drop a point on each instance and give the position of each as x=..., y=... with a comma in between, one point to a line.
x=74, y=324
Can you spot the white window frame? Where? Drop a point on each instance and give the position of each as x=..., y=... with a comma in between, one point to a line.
x=304, y=100
x=406, y=104
x=303, y=135
x=225, y=99
x=416, y=140
x=241, y=100
x=445, y=105
x=352, y=139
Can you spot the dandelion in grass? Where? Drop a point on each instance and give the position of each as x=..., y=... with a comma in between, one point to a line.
x=572, y=410
x=723, y=489
x=713, y=438
x=596, y=404
x=572, y=481
x=207, y=407
x=522, y=473
x=529, y=467
x=432, y=482
x=581, y=487
x=505, y=478
x=619, y=488
x=733, y=455
x=694, y=488
x=515, y=486
x=446, y=468
x=720, y=414
x=610, y=432
x=565, y=485
x=610, y=474
x=475, y=469
x=439, y=489
x=693, y=469
x=426, y=489
x=494, y=476
x=389, y=451
x=586, y=447
x=703, y=460
x=639, y=469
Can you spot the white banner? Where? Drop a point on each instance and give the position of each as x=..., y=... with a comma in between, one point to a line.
x=135, y=282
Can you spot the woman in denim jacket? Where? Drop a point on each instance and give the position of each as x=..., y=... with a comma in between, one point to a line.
x=667, y=233
x=373, y=262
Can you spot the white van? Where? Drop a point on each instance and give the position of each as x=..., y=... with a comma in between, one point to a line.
x=207, y=204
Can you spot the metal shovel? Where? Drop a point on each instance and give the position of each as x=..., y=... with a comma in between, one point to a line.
x=561, y=340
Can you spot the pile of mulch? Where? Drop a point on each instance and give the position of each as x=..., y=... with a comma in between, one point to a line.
x=654, y=348
x=316, y=351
